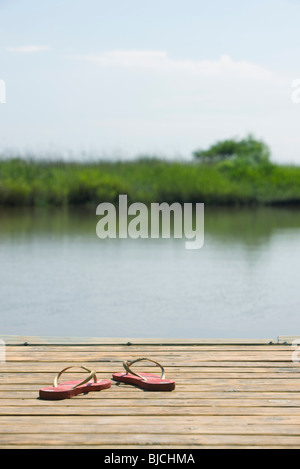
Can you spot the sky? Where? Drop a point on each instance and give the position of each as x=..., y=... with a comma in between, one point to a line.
x=120, y=79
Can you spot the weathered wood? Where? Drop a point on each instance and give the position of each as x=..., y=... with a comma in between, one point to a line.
x=289, y=339
x=150, y=404
x=21, y=340
x=54, y=421
x=229, y=394
x=167, y=428
x=125, y=395
x=153, y=439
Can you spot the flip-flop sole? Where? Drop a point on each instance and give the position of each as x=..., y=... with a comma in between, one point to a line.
x=153, y=383
x=66, y=391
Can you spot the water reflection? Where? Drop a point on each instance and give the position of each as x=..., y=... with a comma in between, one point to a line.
x=243, y=225
x=58, y=278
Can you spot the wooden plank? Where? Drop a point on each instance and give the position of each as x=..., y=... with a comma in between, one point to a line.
x=126, y=394
x=147, y=447
x=187, y=411
x=199, y=372
x=33, y=340
x=289, y=339
x=188, y=351
x=185, y=378
x=229, y=394
x=24, y=355
x=150, y=404
x=172, y=421
x=173, y=350
x=152, y=439
x=231, y=362
x=166, y=428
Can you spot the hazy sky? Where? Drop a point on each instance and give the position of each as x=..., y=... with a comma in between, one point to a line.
x=165, y=77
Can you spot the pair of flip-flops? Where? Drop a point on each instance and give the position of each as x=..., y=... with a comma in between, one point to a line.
x=69, y=389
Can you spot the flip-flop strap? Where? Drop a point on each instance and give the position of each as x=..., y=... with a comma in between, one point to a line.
x=92, y=374
x=128, y=364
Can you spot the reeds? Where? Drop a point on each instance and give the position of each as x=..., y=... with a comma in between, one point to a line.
x=58, y=183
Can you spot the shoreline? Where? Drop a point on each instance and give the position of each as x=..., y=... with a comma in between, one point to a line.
x=37, y=183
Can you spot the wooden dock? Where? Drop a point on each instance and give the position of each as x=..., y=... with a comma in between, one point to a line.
x=229, y=394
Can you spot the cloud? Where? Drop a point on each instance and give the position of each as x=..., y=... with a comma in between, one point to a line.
x=28, y=49
x=149, y=99
x=153, y=82
x=160, y=61
x=127, y=58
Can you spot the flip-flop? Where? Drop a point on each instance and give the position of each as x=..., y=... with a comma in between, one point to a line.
x=72, y=388
x=147, y=381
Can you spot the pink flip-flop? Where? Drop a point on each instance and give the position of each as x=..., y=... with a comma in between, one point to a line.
x=72, y=388
x=147, y=381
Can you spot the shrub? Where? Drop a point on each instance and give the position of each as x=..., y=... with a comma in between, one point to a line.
x=249, y=149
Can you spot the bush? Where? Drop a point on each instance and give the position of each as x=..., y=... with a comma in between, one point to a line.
x=250, y=150
x=231, y=181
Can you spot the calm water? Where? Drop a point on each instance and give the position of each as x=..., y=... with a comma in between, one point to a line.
x=58, y=278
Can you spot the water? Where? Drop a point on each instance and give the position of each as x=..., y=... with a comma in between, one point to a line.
x=58, y=278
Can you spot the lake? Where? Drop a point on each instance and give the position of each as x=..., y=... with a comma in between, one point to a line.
x=58, y=278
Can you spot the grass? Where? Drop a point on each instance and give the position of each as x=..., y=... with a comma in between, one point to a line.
x=47, y=183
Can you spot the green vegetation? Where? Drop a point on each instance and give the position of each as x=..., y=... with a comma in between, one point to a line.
x=231, y=181
x=249, y=150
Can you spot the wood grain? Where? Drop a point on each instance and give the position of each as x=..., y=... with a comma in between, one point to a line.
x=229, y=394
